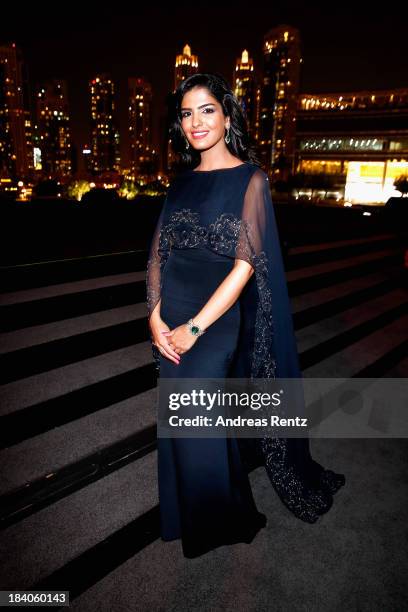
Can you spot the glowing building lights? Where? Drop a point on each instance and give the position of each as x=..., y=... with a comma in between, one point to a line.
x=361, y=156
x=355, y=100
x=186, y=64
x=104, y=147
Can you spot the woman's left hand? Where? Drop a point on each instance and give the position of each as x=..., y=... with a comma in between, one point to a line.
x=181, y=339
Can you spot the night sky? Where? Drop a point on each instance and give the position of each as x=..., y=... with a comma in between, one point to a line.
x=345, y=45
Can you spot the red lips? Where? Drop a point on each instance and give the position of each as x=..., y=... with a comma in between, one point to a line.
x=199, y=134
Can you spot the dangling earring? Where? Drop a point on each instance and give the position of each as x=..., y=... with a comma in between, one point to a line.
x=227, y=137
x=187, y=144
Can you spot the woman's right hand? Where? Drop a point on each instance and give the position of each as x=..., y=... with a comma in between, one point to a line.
x=157, y=326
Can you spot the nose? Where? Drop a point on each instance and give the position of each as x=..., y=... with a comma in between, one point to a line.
x=196, y=120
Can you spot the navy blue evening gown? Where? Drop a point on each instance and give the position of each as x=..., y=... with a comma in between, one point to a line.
x=209, y=219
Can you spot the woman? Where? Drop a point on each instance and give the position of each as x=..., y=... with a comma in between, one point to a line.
x=218, y=307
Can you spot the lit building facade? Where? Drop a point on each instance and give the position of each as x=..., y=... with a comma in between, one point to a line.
x=358, y=139
x=245, y=88
x=186, y=64
x=276, y=121
x=105, y=153
x=53, y=129
x=16, y=149
x=142, y=156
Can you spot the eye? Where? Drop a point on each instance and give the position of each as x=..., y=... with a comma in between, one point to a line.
x=186, y=113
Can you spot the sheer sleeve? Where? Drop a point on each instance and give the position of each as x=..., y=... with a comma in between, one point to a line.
x=254, y=219
x=158, y=254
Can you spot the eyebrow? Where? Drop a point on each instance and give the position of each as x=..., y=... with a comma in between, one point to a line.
x=202, y=105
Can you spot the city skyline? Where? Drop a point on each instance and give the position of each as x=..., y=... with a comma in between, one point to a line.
x=123, y=46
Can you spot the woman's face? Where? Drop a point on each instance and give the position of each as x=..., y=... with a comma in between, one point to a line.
x=202, y=119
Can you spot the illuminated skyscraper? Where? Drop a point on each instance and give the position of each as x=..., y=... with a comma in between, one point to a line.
x=16, y=153
x=244, y=84
x=186, y=64
x=105, y=153
x=140, y=125
x=54, y=137
x=278, y=100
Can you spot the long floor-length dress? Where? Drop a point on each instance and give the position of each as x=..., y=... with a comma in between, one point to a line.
x=210, y=218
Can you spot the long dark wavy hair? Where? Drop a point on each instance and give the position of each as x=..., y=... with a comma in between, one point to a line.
x=241, y=143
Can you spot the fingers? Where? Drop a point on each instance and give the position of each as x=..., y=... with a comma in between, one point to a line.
x=165, y=352
x=165, y=349
x=170, y=350
x=166, y=346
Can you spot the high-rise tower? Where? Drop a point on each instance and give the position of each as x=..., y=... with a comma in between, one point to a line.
x=186, y=64
x=16, y=153
x=53, y=127
x=244, y=84
x=104, y=133
x=140, y=125
x=278, y=100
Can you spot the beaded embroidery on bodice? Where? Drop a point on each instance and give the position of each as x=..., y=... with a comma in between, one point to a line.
x=230, y=236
